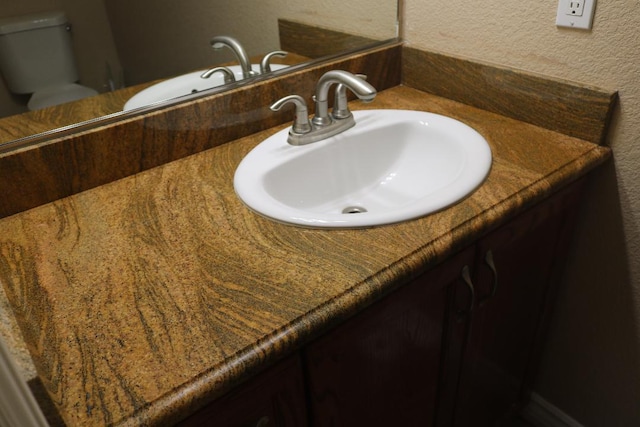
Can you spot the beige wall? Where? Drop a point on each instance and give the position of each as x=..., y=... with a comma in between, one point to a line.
x=591, y=367
x=376, y=20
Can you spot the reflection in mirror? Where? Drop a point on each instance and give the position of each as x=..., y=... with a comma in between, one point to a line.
x=122, y=47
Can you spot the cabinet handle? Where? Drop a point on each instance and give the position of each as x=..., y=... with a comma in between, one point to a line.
x=488, y=260
x=466, y=278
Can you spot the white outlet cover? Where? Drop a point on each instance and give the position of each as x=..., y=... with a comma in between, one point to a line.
x=564, y=17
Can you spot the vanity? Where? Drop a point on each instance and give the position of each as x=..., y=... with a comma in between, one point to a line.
x=149, y=294
x=454, y=345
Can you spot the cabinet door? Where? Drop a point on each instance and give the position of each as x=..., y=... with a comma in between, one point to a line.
x=515, y=266
x=381, y=368
x=273, y=398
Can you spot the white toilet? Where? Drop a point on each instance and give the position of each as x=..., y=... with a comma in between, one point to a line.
x=36, y=57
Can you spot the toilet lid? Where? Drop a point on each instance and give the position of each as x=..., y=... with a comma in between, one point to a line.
x=59, y=95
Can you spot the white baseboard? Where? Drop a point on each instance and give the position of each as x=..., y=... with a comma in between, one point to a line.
x=541, y=413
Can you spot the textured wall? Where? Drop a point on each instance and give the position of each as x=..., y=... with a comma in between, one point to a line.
x=591, y=368
x=376, y=20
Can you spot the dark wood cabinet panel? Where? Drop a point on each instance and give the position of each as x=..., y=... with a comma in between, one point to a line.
x=274, y=398
x=382, y=367
x=513, y=281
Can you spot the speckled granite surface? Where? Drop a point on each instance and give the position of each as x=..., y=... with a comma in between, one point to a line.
x=143, y=298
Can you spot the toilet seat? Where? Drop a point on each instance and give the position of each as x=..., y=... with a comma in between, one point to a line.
x=59, y=95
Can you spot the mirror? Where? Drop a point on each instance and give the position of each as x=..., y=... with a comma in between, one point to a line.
x=122, y=47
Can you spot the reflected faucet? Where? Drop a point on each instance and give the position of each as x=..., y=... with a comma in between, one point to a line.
x=219, y=42
x=227, y=74
x=325, y=125
x=265, y=64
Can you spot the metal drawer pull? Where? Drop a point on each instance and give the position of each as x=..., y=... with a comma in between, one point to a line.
x=488, y=259
x=466, y=278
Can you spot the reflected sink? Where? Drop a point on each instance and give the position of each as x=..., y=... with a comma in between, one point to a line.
x=393, y=166
x=185, y=85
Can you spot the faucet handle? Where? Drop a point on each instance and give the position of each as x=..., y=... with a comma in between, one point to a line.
x=301, y=123
x=340, y=107
x=228, y=74
x=265, y=64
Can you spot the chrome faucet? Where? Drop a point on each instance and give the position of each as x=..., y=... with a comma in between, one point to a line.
x=325, y=125
x=227, y=74
x=219, y=42
x=265, y=64
x=301, y=123
x=362, y=89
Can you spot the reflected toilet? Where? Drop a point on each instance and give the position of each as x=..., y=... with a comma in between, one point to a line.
x=36, y=57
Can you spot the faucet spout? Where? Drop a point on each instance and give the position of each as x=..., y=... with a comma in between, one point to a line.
x=361, y=88
x=219, y=42
x=324, y=125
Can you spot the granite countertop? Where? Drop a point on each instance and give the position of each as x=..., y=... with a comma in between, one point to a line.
x=140, y=299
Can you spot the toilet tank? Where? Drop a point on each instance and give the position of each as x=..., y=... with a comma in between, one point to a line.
x=36, y=52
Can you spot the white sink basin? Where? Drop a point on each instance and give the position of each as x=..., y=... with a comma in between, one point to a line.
x=394, y=165
x=184, y=85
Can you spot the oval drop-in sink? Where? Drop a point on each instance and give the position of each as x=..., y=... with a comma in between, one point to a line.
x=393, y=166
x=185, y=85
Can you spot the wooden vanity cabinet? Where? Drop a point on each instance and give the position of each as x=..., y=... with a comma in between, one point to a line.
x=382, y=367
x=457, y=346
x=516, y=270
x=273, y=398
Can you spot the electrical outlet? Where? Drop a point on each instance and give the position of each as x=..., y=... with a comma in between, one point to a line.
x=576, y=13
x=576, y=8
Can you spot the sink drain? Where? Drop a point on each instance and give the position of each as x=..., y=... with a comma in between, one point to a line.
x=353, y=210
